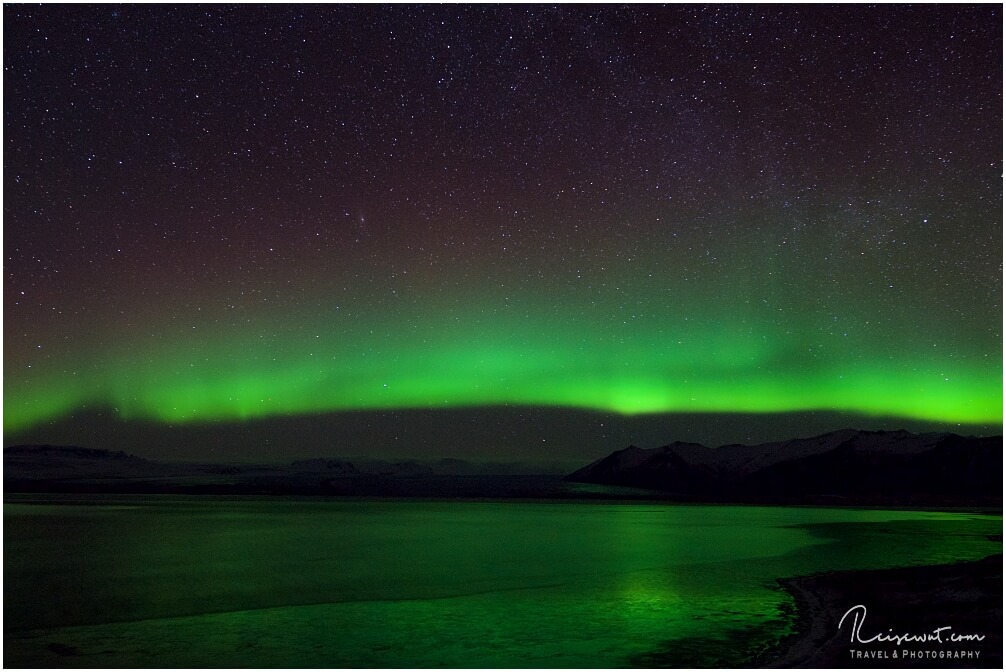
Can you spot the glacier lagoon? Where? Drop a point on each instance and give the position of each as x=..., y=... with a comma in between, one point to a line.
x=174, y=581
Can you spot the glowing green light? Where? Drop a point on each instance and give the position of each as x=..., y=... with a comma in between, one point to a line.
x=680, y=358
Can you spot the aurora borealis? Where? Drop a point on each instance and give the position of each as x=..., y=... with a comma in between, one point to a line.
x=217, y=215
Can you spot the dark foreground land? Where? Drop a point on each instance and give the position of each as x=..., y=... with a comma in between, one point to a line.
x=967, y=598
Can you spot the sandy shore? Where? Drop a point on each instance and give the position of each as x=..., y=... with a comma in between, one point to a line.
x=967, y=597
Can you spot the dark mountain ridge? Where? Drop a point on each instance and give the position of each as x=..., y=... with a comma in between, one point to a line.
x=843, y=467
x=846, y=467
x=46, y=462
x=73, y=469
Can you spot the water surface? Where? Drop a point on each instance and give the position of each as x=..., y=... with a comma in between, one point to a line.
x=168, y=581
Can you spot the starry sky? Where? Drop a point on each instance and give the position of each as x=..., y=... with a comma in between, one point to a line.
x=526, y=230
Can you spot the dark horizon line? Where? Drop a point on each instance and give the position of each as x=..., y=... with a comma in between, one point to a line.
x=489, y=460
x=110, y=413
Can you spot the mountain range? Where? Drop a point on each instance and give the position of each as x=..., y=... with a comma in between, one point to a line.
x=75, y=469
x=846, y=467
x=843, y=467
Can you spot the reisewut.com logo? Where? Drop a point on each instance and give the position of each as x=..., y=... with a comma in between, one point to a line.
x=934, y=643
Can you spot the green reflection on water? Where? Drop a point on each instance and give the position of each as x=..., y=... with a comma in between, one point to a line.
x=170, y=581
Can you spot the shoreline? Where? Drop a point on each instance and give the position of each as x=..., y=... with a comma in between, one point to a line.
x=965, y=596
x=446, y=488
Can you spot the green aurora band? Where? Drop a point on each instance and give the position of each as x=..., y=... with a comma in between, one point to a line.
x=583, y=216
x=629, y=364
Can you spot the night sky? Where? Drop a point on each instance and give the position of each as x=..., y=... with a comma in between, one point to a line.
x=498, y=231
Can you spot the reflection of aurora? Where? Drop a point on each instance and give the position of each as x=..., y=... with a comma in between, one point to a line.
x=479, y=584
